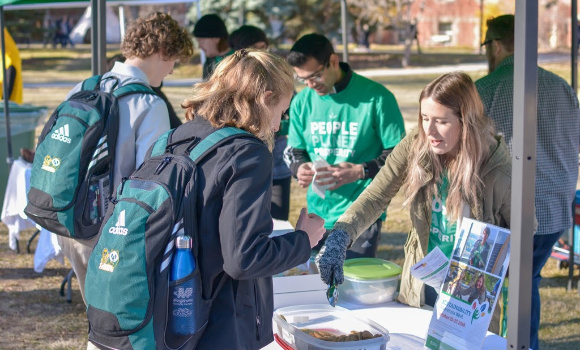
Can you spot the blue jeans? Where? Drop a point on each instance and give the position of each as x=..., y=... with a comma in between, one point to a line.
x=542, y=249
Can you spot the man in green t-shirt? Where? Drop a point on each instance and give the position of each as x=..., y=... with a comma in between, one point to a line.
x=346, y=120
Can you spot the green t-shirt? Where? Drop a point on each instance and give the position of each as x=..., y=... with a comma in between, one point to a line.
x=442, y=232
x=354, y=125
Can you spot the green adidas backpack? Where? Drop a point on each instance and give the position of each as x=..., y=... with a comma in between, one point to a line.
x=130, y=299
x=73, y=165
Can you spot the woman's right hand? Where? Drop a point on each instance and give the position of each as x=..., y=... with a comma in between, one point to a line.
x=330, y=260
x=312, y=224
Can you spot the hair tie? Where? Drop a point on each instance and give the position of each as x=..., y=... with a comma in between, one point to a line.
x=241, y=53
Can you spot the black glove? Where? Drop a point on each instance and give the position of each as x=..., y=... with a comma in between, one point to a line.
x=330, y=259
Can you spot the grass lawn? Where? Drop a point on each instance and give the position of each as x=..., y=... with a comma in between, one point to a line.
x=34, y=316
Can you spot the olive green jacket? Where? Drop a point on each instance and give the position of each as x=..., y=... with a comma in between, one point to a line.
x=494, y=207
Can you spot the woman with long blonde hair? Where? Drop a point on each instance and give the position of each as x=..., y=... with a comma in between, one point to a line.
x=249, y=90
x=452, y=166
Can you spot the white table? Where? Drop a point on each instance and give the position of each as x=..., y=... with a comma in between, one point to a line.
x=407, y=326
x=15, y=199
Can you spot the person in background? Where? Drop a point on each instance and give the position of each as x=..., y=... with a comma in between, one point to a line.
x=350, y=122
x=480, y=250
x=174, y=120
x=234, y=198
x=558, y=137
x=452, y=166
x=13, y=70
x=142, y=117
x=255, y=38
x=211, y=35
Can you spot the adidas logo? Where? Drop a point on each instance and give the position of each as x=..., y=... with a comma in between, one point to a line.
x=61, y=134
x=119, y=228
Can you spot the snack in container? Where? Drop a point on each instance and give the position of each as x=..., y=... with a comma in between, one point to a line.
x=295, y=327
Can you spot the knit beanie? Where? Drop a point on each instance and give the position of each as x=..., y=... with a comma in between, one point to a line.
x=246, y=36
x=210, y=26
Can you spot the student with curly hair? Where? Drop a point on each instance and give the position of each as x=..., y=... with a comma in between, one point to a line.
x=152, y=45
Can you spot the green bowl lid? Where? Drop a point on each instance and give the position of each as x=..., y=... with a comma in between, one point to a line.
x=368, y=269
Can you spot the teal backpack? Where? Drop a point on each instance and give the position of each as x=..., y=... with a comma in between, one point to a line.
x=73, y=165
x=130, y=298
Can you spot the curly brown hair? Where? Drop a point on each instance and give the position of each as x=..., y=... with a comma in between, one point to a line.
x=157, y=33
x=235, y=95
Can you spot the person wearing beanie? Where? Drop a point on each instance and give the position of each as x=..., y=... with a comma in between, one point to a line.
x=248, y=37
x=211, y=35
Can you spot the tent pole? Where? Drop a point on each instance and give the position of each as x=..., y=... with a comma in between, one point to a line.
x=9, y=158
x=344, y=31
x=102, y=36
x=94, y=38
x=122, y=21
x=523, y=173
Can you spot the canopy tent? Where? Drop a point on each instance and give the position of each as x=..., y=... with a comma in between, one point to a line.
x=113, y=31
x=524, y=139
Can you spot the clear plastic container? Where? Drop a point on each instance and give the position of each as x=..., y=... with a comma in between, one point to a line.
x=288, y=322
x=369, y=281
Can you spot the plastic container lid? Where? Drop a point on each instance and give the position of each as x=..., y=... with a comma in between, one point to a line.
x=368, y=269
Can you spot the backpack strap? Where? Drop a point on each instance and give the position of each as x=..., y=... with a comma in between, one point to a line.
x=160, y=145
x=92, y=82
x=133, y=88
x=215, y=138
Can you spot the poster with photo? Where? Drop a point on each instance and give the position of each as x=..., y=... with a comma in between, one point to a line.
x=471, y=287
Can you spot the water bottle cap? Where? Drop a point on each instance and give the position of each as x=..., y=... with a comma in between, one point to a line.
x=183, y=242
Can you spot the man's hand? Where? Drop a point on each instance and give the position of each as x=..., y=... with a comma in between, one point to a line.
x=330, y=260
x=312, y=224
x=344, y=173
x=305, y=174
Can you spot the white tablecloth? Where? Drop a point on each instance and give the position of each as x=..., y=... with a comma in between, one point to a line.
x=407, y=326
x=13, y=216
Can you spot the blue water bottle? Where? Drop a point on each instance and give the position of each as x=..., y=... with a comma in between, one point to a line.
x=182, y=298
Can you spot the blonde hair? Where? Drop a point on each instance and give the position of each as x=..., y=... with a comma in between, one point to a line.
x=236, y=93
x=457, y=92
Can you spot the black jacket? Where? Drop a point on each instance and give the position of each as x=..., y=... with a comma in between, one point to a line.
x=233, y=209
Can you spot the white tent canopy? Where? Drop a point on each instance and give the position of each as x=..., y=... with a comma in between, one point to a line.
x=113, y=31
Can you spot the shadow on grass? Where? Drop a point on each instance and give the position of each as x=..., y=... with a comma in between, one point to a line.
x=568, y=322
x=571, y=342
x=558, y=280
x=27, y=273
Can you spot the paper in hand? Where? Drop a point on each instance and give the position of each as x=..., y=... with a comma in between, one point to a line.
x=320, y=190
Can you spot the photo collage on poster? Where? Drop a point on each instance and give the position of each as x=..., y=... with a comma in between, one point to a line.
x=477, y=264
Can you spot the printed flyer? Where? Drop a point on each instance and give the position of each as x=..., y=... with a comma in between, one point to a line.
x=471, y=287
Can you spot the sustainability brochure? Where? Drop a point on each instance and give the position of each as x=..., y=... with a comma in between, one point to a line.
x=469, y=285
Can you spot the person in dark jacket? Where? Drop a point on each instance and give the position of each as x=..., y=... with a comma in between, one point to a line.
x=249, y=90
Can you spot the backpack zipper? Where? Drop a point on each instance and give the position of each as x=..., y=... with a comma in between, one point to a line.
x=162, y=165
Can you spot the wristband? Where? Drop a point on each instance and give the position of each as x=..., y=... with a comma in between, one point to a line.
x=365, y=171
